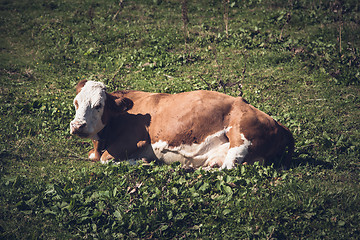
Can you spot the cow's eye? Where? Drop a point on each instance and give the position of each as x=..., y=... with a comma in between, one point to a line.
x=98, y=106
x=76, y=104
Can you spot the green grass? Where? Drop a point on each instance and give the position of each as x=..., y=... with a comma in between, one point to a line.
x=286, y=55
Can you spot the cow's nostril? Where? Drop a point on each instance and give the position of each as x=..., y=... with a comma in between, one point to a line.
x=77, y=126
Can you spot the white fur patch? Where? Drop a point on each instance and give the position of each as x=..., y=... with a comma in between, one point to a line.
x=104, y=162
x=88, y=100
x=236, y=154
x=92, y=156
x=208, y=153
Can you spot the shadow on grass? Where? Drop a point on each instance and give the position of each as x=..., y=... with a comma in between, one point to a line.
x=306, y=158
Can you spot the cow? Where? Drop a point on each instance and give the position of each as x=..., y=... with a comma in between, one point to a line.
x=198, y=129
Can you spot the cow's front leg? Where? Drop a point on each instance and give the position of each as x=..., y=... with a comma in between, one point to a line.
x=106, y=157
x=95, y=154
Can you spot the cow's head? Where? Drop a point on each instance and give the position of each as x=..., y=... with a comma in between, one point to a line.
x=94, y=108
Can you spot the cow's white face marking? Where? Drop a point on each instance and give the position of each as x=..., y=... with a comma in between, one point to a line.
x=89, y=104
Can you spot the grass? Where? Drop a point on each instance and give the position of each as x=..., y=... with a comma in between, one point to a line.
x=290, y=62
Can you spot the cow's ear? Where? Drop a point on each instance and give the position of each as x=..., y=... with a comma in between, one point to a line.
x=118, y=104
x=123, y=104
x=80, y=85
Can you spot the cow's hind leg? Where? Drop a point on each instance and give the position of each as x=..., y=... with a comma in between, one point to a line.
x=237, y=151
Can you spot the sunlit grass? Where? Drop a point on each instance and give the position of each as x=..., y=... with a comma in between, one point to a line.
x=49, y=190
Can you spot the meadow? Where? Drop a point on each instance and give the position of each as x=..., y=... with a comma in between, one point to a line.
x=297, y=60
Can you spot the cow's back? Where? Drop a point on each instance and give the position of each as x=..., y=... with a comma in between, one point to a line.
x=183, y=118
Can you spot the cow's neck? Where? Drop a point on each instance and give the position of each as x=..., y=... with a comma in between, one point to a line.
x=101, y=136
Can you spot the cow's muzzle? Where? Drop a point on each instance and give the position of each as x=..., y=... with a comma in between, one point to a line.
x=77, y=128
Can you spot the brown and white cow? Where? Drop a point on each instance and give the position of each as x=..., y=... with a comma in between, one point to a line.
x=200, y=128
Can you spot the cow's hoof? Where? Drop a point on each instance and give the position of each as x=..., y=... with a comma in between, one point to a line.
x=92, y=156
x=106, y=157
